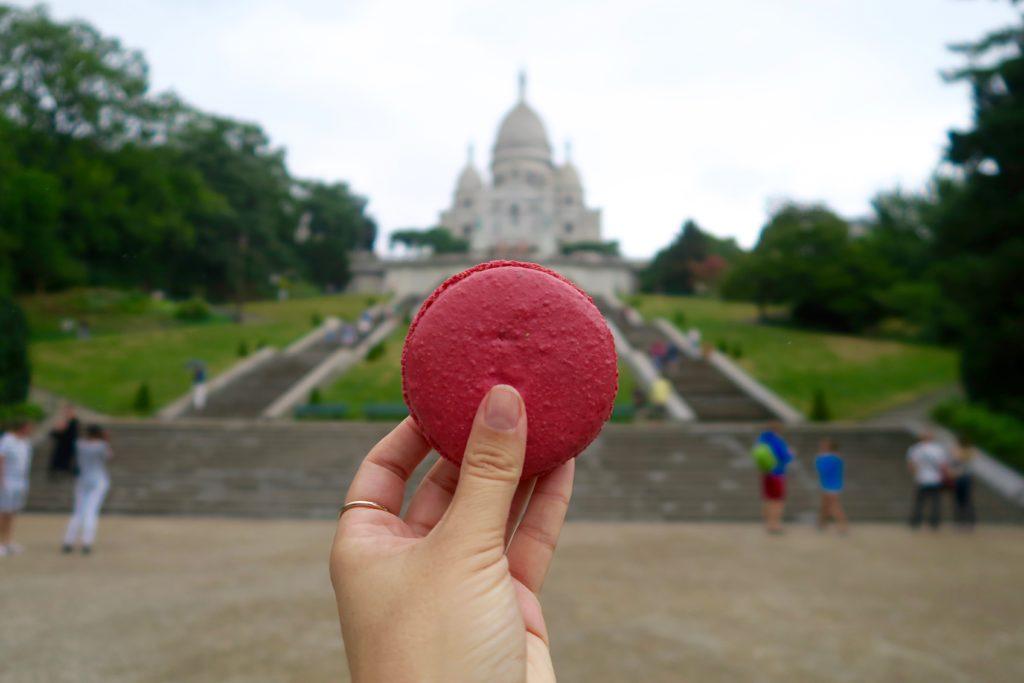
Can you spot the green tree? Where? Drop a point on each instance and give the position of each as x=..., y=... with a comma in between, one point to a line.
x=103, y=183
x=68, y=79
x=980, y=237
x=669, y=272
x=14, y=362
x=438, y=240
x=607, y=248
x=900, y=238
x=805, y=258
x=332, y=223
x=237, y=250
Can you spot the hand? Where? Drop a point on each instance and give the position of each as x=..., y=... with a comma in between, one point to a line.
x=435, y=595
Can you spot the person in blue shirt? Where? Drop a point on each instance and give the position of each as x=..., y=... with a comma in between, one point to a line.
x=773, y=483
x=830, y=474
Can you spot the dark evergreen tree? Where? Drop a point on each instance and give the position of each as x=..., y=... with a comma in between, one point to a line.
x=670, y=272
x=980, y=238
x=14, y=362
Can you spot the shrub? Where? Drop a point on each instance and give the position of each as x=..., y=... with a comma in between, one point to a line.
x=722, y=346
x=377, y=351
x=243, y=349
x=143, y=402
x=1000, y=434
x=15, y=412
x=819, y=407
x=737, y=350
x=193, y=310
x=14, y=363
x=316, y=320
x=315, y=397
x=679, y=319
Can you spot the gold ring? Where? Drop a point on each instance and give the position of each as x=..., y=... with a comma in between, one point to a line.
x=369, y=504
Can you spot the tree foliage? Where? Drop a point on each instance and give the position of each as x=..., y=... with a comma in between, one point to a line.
x=435, y=240
x=694, y=257
x=807, y=259
x=980, y=237
x=14, y=363
x=103, y=182
x=610, y=248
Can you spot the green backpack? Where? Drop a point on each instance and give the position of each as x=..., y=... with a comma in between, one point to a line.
x=763, y=457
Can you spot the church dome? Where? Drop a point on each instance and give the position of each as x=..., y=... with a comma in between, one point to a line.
x=568, y=176
x=469, y=180
x=521, y=134
x=522, y=128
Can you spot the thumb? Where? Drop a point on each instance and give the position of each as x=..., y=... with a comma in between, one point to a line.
x=490, y=472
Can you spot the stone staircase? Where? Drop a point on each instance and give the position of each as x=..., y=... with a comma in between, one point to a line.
x=252, y=392
x=249, y=394
x=712, y=396
x=661, y=472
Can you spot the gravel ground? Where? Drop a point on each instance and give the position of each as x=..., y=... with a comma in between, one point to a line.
x=171, y=599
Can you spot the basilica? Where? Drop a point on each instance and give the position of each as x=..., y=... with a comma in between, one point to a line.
x=527, y=208
x=530, y=206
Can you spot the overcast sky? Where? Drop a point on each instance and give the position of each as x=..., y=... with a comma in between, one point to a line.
x=675, y=109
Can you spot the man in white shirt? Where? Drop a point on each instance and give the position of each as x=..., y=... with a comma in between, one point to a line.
x=928, y=461
x=15, y=462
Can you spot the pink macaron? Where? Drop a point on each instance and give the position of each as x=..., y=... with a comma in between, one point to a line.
x=506, y=322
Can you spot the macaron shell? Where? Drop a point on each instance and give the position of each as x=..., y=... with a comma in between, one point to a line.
x=506, y=322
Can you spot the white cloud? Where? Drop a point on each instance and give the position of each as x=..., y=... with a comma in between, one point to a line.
x=675, y=109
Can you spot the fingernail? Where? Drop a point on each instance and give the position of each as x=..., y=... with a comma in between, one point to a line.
x=502, y=409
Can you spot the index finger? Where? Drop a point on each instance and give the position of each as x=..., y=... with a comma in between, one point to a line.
x=382, y=476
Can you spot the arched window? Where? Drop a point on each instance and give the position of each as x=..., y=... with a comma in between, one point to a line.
x=568, y=228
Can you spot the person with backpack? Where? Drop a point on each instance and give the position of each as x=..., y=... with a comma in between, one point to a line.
x=772, y=456
x=830, y=475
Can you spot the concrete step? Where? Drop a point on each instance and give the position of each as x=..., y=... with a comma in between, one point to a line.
x=712, y=396
x=630, y=473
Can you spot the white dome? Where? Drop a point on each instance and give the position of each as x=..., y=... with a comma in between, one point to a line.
x=568, y=176
x=522, y=135
x=469, y=180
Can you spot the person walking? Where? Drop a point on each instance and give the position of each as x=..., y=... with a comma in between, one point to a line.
x=830, y=475
x=198, y=386
x=773, y=481
x=92, y=452
x=928, y=463
x=64, y=435
x=658, y=397
x=15, y=464
x=960, y=469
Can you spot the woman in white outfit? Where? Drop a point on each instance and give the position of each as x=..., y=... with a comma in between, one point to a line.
x=15, y=463
x=92, y=454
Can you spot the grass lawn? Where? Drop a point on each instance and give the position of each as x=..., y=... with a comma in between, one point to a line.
x=135, y=340
x=859, y=375
x=380, y=380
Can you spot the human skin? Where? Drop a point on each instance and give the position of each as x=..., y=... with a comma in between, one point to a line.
x=449, y=591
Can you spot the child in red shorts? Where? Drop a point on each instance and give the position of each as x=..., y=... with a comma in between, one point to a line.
x=773, y=482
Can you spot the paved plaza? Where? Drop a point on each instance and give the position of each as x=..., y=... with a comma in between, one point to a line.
x=172, y=599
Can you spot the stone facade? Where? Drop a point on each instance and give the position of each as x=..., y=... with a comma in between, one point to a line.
x=530, y=206
x=528, y=209
x=599, y=276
